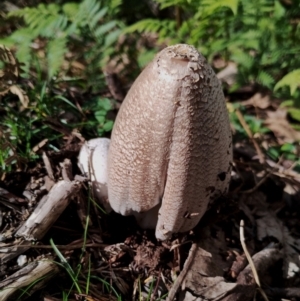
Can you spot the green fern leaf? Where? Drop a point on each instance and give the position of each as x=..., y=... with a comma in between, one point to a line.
x=168, y=3
x=70, y=10
x=291, y=79
x=265, y=79
x=55, y=55
x=242, y=58
x=97, y=17
x=103, y=29
x=92, y=15
x=112, y=37
x=146, y=25
x=211, y=6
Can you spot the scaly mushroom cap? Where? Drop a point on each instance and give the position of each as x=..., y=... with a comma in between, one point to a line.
x=171, y=141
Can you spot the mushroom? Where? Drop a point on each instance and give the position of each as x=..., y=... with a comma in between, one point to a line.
x=170, y=151
x=92, y=162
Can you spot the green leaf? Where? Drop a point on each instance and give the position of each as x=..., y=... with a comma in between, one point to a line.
x=295, y=113
x=288, y=147
x=98, y=16
x=273, y=153
x=211, y=6
x=265, y=79
x=112, y=37
x=108, y=125
x=146, y=25
x=102, y=104
x=279, y=10
x=70, y=9
x=100, y=117
x=291, y=79
x=287, y=103
x=55, y=55
x=103, y=29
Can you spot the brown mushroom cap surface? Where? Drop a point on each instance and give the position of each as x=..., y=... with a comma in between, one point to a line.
x=171, y=142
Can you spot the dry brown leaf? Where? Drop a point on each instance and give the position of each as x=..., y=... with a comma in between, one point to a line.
x=270, y=226
x=21, y=94
x=205, y=276
x=228, y=74
x=278, y=123
x=258, y=101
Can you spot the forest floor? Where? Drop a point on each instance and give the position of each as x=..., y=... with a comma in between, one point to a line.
x=57, y=243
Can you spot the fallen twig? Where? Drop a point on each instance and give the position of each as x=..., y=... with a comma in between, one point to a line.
x=183, y=273
x=252, y=266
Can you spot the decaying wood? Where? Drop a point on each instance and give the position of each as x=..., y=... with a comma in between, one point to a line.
x=9, y=251
x=48, y=210
x=48, y=166
x=67, y=170
x=33, y=272
x=262, y=260
x=287, y=293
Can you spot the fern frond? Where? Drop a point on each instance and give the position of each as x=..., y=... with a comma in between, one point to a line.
x=168, y=3
x=242, y=58
x=112, y=37
x=103, y=29
x=146, y=25
x=210, y=6
x=291, y=79
x=97, y=17
x=265, y=79
x=89, y=13
x=55, y=55
x=70, y=10
x=43, y=20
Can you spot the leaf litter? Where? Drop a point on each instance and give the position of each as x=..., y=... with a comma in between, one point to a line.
x=126, y=262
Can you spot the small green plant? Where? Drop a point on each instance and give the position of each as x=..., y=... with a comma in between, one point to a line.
x=261, y=36
x=287, y=151
x=292, y=80
x=99, y=108
x=24, y=128
x=64, y=263
x=87, y=25
x=254, y=124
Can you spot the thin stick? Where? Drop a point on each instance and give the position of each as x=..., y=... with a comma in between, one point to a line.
x=183, y=273
x=251, y=263
x=249, y=133
x=262, y=181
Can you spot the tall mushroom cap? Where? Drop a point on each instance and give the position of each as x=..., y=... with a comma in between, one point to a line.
x=171, y=142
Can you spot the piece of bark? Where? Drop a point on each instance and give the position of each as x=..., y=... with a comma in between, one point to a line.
x=48, y=166
x=49, y=183
x=37, y=272
x=262, y=260
x=284, y=293
x=10, y=197
x=67, y=173
x=245, y=289
x=11, y=250
x=48, y=210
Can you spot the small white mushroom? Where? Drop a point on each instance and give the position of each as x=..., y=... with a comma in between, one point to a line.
x=92, y=162
x=170, y=149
